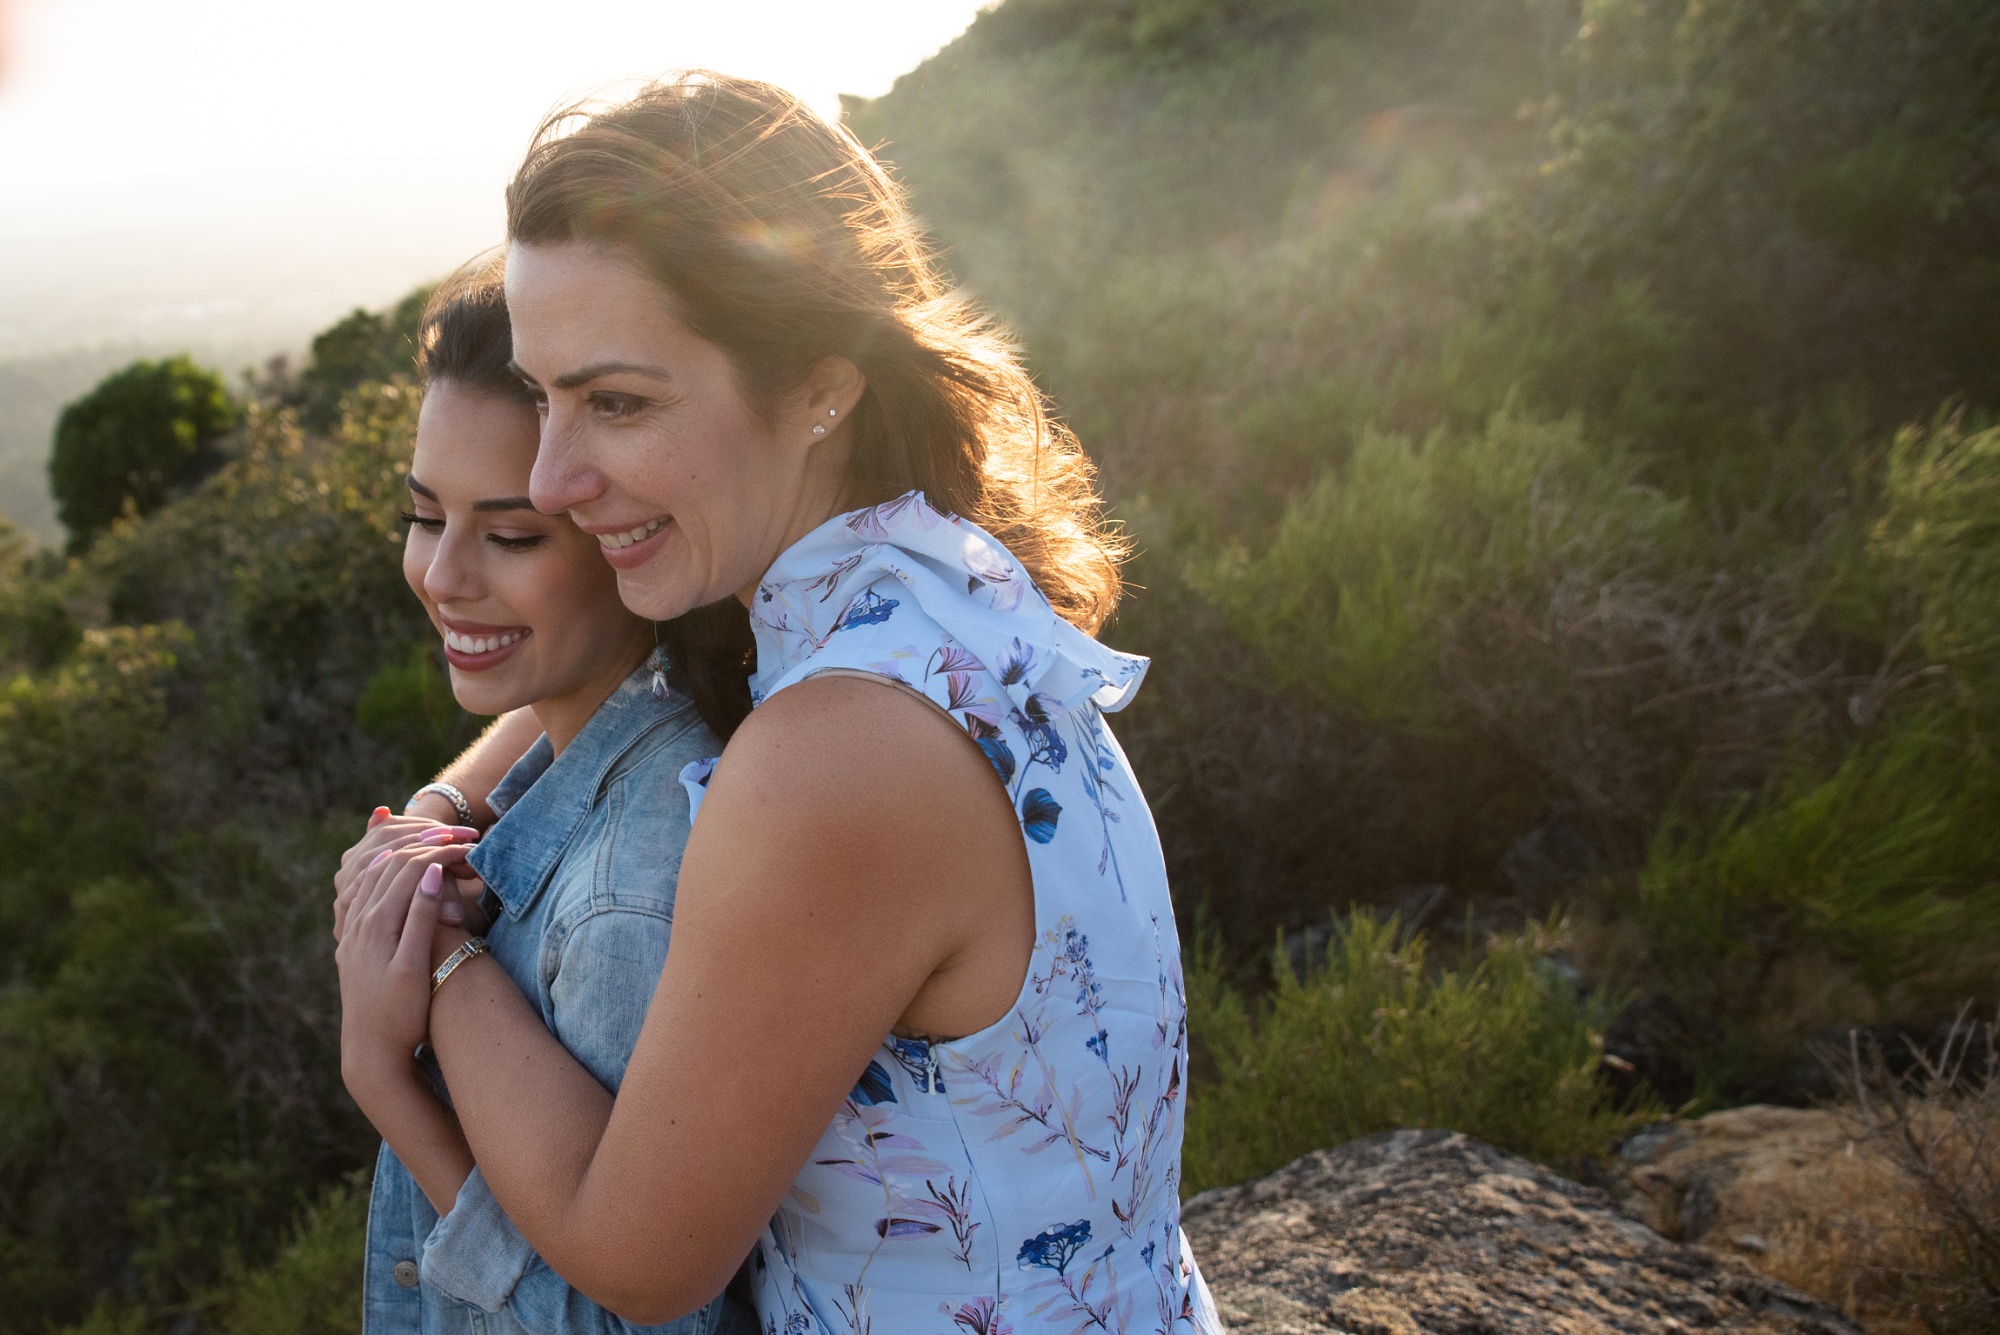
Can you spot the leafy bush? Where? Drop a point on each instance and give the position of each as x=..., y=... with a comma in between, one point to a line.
x=127, y=444
x=362, y=348
x=314, y=1285
x=1939, y=536
x=177, y=788
x=1505, y=1049
x=1369, y=569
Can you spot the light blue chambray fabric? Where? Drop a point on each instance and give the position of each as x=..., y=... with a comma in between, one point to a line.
x=580, y=870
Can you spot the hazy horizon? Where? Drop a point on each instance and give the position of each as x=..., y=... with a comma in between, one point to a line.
x=228, y=176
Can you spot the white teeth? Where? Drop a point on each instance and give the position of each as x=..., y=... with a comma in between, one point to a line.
x=481, y=644
x=616, y=540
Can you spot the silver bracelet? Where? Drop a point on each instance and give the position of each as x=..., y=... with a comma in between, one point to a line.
x=474, y=946
x=450, y=794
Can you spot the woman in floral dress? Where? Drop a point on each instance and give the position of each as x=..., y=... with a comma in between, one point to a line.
x=920, y=1045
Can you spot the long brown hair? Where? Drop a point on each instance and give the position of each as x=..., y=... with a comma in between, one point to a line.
x=783, y=241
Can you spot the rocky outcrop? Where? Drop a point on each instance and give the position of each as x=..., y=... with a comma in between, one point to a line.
x=1743, y=1179
x=1433, y=1233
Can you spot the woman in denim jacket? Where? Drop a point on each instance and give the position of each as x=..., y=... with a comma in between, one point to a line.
x=579, y=872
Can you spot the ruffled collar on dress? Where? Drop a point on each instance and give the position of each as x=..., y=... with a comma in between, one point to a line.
x=962, y=577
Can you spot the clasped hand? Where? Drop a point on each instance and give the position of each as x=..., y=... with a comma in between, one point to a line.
x=398, y=907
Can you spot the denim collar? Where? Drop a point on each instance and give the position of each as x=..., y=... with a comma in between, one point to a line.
x=545, y=798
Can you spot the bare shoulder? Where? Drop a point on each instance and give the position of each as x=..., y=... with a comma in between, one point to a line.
x=852, y=824
x=835, y=743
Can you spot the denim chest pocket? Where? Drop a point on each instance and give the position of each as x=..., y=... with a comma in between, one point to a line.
x=642, y=829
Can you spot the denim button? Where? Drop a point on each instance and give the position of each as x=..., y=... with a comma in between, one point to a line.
x=406, y=1274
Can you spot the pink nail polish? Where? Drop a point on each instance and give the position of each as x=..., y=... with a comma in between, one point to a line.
x=450, y=911
x=433, y=879
x=439, y=838
x=376, y=860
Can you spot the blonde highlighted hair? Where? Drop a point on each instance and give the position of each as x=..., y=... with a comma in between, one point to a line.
x=783, y=241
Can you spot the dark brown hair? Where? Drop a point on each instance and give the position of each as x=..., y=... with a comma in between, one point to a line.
x=465, y=337
x=783, y=241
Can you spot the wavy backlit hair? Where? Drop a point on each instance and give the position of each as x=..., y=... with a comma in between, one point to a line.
x=783, y=241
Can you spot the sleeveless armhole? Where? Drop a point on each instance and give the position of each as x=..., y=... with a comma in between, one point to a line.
x=884, y=679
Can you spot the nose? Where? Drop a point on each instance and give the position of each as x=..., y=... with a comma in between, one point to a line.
x=454, y=571
x=564, y=476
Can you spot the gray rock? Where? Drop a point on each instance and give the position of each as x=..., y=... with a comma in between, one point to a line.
x=1433, y=1233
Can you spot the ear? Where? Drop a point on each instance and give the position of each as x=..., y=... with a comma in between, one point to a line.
x=831, y=390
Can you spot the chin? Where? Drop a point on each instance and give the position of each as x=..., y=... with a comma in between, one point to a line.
x=656, y=599
x=478, y=697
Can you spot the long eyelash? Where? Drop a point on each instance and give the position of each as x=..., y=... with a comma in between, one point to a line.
x=514, y=544
x=408, y=518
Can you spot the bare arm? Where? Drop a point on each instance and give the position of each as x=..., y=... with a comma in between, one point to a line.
x=819, y=904
x=478, y=771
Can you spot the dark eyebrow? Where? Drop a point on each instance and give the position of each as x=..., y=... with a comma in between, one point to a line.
x=497, y=503
x=584, y=375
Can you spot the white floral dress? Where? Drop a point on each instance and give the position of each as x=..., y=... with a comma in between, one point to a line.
x=1026, y=1177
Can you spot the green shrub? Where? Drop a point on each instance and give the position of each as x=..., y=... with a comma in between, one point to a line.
x=1940, y=536
x=1504, y=1049
x=1879, y=864
x=1890, y=864
x=363, y=347
x=1364, y=575
x=314, y=1286
x=175, y=791
x=409, y=705
x=142, y=432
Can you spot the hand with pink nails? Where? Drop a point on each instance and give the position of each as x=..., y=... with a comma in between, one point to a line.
x=399, y=907
x=388, y=833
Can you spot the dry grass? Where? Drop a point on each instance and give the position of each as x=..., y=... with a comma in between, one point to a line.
x=1907, y=1240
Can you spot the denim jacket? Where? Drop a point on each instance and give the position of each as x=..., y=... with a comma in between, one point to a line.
x=580, y=871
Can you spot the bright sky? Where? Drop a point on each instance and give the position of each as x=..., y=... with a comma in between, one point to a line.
x=243, y=169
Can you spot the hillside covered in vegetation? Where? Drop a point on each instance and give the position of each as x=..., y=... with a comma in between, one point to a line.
x=1561, y=443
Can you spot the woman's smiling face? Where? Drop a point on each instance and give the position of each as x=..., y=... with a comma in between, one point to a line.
x=528, y=610
x=649, y=442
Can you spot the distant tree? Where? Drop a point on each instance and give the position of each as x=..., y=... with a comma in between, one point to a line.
x=144, y=431
x=364, y=346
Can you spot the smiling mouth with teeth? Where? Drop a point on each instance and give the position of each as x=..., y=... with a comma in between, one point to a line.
x=613, y=541
x=481, y=644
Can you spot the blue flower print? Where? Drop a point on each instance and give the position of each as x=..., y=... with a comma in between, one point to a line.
x=1054, y=1249
x=1045, y=744
x=1039, y=812
x=873, y=1087
x=993, y=743
x=870, y=609
x=1002, y=756
x=914, y=1056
